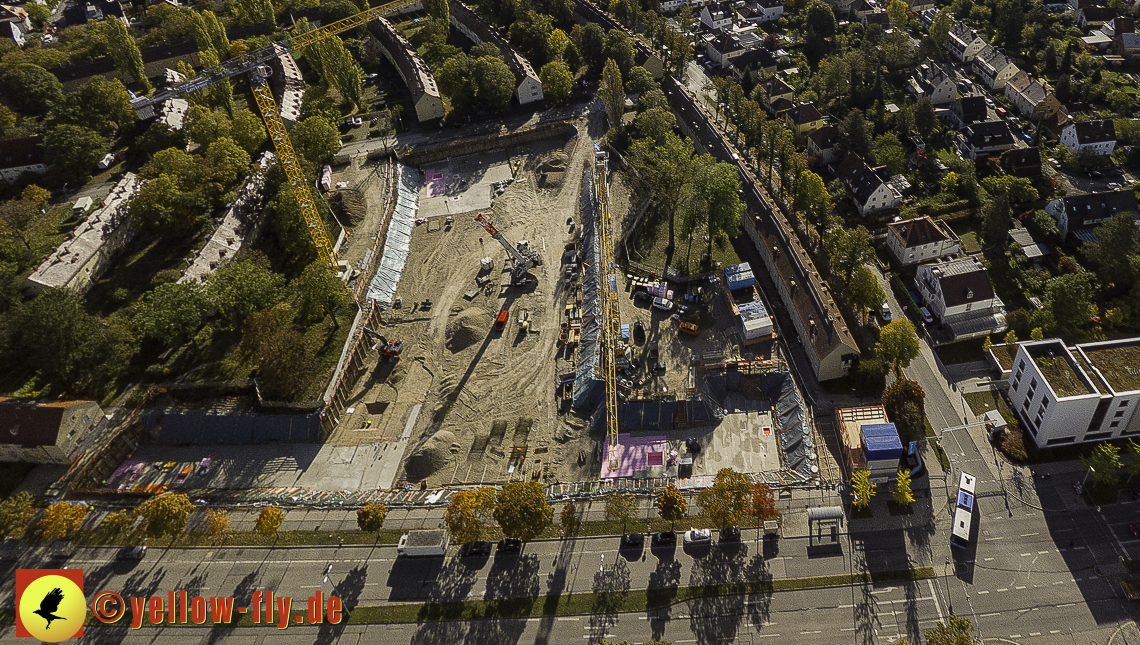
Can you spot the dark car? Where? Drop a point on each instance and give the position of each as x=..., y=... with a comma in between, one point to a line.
x=510, y=545
x=473, y=549
x=662, y=538
x=643, y=296
x=638, y=332
x=730, y=534
x=632, y=540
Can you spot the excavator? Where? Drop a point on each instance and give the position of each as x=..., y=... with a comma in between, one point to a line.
x=388, y=348
x=254, y=62
x=523, y=258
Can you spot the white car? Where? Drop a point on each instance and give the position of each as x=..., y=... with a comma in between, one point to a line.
x=926, y=315
x=663, y=303
x=1114, y=186
x=885, y=312
x=698, y=536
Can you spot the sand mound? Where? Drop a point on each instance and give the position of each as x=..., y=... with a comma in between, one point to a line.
x=430, y=456
x=466, y=329
x=557, y=162
x=349, y=203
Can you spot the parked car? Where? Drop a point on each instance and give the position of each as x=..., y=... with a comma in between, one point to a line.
x=698, y=536
x=632, y=540
x=662, y=538
x=926, y=317
x=473, y=549
x=1001, y=112
x=638, y=332
x=885, y=312
x=690, y=328
x=730, y=534
x=1113, y=186
x=137, y=553
x=204, y=466
x=642, y=296
x=663, y=303
x=510, y=545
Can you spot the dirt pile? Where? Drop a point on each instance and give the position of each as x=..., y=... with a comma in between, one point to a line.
x=552, y=170
x=466, y=329
x=349, y=204
x=431, y=455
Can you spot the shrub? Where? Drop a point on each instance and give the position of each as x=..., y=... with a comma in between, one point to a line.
x=1013, y=445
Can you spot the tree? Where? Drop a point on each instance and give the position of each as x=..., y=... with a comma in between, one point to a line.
x=557, y=43
x=210, y=35
x=315, y=139
x=763, y=504
x=531, y=34
x=320, y=293
x=248, y=131
x=371, y=518
x=904, y=402
x=283, y=359
x=925, y=120
x=728, y=500
x=467, y=514
x=338, y=68
x=866, y=292
x=101, y=105
x=238, y=290
x=569, y=518
x=1104, y=464
x=620, y=508
x=1116, y=241
x=996, y=221
x=557, y=81
x=437, y=9
x=640, y=81
x=896, y=11
x=901, y=490
x=820, y=28
x=889, y=151
x=954, y=632
x=521, y=510
x=125, y=51
x=55, y=335
x=1133, y=466
x=671, y=505
x=117, y=522
x=854, y=133
x=165, y=514
x=1009, y=18
x=61, y=520
x=217, y=523
x=1011, y=343
x=225, y=161
x=74, y=150
x=862, y=488
x=254, y=12
x=670, y=169
x=171, y=312
x=1018, y=190
x=848, y=250
x=204, y=126
x=32, y=89
x=1069, y=300
x=38, y=13
x=619, y=48
x=612, y=92
x=898, y=344
x=269, y=520
x=718, y=187
x=940, y=28
x=655, y=123
x=812, y=198
x=590, y=40
x=161, y=207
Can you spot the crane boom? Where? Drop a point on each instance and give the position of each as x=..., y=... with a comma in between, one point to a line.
x=611, y=320
x=145, y=106
x=523, y=262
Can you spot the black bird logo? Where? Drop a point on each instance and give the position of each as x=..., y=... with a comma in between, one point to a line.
x=49, y=605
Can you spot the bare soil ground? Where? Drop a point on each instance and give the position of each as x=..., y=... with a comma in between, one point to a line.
x=489, y=411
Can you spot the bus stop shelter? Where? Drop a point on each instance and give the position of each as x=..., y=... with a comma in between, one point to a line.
x=821, y=518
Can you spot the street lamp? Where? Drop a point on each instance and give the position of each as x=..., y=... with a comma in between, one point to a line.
x=1090, y=471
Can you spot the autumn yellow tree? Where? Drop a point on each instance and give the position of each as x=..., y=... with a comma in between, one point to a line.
x=863, y=488
x=371, y=518
x=165, y=514
x=117, y=522
x=468, y=514
x=61, y=520
x=569, y=518
x=901, y=490
x=671, y=505
x=269, y=521
x=217, y=523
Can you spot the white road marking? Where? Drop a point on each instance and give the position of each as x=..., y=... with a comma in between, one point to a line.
x=564, y=618
x=760, y=636
x=934, y=597
x=1041, y=552
x=1025, y=554
x=1020, y=588
x=989, y=559
x=996, y=613
x=1001, y=590
x=1029, y=534
x=982, y=593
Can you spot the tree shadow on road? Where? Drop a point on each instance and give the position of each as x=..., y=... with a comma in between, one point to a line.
x=759, y=605
x=454, y=581
x=866, y=613
x=348, y=590
x=715, y=619
x=910, y=589
x=241, y=594
x=662, y=589
x=611, y=586
x=142, y=583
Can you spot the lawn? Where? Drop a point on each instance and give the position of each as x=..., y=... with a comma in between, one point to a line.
x=981, y=402
x=649, y=241
x=970, y=242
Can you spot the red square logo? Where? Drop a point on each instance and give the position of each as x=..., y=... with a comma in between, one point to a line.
x=50, y=604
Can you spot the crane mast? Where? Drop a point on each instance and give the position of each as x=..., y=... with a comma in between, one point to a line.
x=254, y=63
x=611, y=319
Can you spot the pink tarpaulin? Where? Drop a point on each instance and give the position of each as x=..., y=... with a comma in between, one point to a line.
x=436, y=183
x=634, y=455
x=656, y=459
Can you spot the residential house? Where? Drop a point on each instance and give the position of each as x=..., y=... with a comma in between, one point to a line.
x=1080, y=214
x=877, y=18
x=1022, y=162
x=922, y=6
x=80, y=13
x=472, y=25
x=994, y=67
x=926, y=17
x=823, y=143
x=44, y=432
x=17, y=15
x=412, y=69
x=959, y=293
x=1128, y=45
x=1118, y=25
x=774, y=88
x=288, y=85
x=964, y=43
x=804, y=118
x=13, y=32
x=1097, y=136
x=985, y=139
x=1094, y=17
x=780, y=107
x=872, y=189
x=967, y=110
x=844, y=6
x=1077, y=5
x=920, y=240
x=758, y=60
x=1056, y=123
x=18, y=156
x=723, y=47
x=862, y=8
x=1080, y=394
x=766, y=11
x=718, y=16
x=933, y=81
x=1030, y=97
x=670, y=6
x=1030, y=247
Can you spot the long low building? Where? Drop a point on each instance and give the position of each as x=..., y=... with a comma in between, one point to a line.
x=477, y=30
x=87, y=251
x=412, y=69
x=288, y=87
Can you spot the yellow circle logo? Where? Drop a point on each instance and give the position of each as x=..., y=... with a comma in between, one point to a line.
x=52, y=608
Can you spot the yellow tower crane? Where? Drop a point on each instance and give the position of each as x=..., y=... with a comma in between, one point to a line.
x=611, y=319
x=254, y=62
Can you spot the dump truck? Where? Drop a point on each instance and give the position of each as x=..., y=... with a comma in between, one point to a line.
x=422, y=543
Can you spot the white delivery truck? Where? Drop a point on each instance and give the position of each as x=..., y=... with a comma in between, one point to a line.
x=422, y=543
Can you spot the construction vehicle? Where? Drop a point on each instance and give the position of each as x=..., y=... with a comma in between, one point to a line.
x=388, y=348
x=501, y=320
x=254, y=62
x=524, y=320
x=523, y=257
